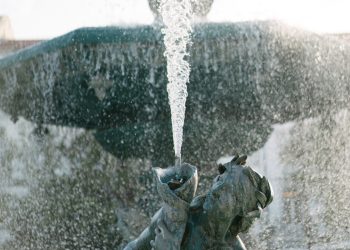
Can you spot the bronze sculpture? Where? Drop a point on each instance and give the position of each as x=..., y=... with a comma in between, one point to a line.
x=210, y=221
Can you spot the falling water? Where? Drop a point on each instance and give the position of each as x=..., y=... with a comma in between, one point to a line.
x=177, y=20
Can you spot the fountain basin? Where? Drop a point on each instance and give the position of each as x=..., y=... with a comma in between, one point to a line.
x=244, y=77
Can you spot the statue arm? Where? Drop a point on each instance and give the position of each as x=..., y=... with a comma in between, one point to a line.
x=164, y=238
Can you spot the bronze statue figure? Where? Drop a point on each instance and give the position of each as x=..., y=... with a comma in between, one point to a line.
x=211, y=221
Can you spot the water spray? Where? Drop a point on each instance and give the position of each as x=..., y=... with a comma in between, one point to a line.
x=177, y=16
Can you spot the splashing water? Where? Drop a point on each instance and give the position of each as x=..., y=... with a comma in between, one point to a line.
x=177, y=20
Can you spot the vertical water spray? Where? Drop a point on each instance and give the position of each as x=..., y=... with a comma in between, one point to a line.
x=177, y=15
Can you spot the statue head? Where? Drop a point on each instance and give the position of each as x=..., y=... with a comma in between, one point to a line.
x=237, y=196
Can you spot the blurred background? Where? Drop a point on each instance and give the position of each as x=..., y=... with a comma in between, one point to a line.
x=40, y=19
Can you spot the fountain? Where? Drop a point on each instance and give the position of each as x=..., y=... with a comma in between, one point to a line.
x=238, y=194
x=106, y=88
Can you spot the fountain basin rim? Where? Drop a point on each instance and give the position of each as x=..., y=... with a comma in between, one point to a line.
x=125, y=34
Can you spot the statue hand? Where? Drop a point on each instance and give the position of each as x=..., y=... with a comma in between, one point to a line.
x=164, y=238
